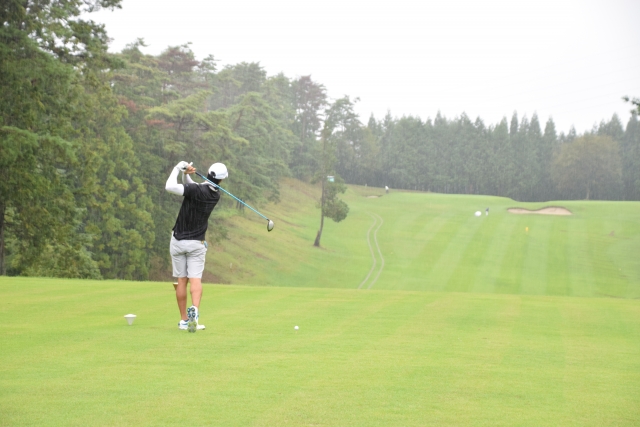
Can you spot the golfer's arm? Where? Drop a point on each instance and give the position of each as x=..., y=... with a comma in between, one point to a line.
x=186, y=179
x=172, y=185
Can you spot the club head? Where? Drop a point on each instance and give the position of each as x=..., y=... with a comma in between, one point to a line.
x=270, y=225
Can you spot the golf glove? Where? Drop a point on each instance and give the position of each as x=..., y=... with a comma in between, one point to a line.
x=182, y=166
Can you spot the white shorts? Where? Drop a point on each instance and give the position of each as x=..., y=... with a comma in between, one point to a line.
x=187, y=257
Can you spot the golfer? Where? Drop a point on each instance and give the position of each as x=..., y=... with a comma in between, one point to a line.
x=188, y=247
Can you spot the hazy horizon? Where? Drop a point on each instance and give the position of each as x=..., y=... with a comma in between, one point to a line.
x=571, y=60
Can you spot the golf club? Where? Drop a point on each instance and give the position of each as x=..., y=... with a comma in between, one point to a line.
x=269, y=222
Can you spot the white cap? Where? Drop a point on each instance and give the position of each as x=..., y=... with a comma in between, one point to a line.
x=219, y=170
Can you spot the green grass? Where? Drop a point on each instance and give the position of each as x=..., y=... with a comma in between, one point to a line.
x=360, y=358
x=472, y=321
x=434, y=242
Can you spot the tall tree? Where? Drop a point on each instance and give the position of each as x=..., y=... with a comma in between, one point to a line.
x=309, y=99
x=548, y=145
x=588, y=168
x=117, y=207
x=43, y=44
x=263, y=159
x=339, y=121
x=630, y=148
x=179, y=64
x=234, y=81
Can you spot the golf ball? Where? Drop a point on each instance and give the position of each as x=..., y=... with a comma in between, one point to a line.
x=295, y=327
x=478, y=213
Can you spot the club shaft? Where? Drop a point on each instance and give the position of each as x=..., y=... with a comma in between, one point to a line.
x=217, y=186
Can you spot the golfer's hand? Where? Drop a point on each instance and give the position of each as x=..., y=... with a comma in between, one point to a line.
x=190, y=170
x=182, y=166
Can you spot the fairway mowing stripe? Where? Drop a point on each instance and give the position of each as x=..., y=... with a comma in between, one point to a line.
x=375, y=238
x=580, y=272
x=432, y=228
x=536, y=340
x=608, y=280
x=558, y=269
x=409, y=236
x=598, y=357
x=419, y=259
x=486, y=279
x=450, y=258
x=474, y=255
x=510, y=277
x=326, y=398
x=370, y=250
x=534, y=268
x=628, y=268
x=284, y=355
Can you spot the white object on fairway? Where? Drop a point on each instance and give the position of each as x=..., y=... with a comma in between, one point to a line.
x=295, y=327
x=130, y=318
x=478, y=213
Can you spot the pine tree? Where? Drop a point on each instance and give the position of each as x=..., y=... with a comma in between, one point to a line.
x=630, y=150
x=338, y=122
x=42, y=48
x=309, y=100
x=548, y=145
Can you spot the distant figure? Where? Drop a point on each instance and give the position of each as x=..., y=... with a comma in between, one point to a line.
x=486, y=212
x=386, y=189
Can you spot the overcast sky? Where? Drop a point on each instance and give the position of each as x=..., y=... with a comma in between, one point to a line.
x=572, y=59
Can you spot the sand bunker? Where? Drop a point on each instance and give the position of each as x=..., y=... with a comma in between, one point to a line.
x=550, y=210
x=372, y=197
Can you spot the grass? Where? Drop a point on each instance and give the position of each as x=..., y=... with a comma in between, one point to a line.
x=434, y=242
x=370, y=358
x=471, y=321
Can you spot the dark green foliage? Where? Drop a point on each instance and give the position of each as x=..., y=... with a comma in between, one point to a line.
x=335, y=208
x=589, y=167
x=35, y=204
x=88, y=139
x=630, y=152
x=464, y=156
x=309, y=98
x=635, y=102
x=108, y=185
x=340, y=127
x=36, y=114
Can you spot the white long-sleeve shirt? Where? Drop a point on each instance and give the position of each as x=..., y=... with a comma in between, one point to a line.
x=172, y=185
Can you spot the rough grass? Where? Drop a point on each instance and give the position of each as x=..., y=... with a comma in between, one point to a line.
x=360, y=358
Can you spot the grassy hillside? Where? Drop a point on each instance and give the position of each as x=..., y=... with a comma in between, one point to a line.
x=434, y=242
x=360, y=358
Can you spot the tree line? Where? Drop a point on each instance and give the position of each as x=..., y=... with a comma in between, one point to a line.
x=516, y=158
x=88, y=139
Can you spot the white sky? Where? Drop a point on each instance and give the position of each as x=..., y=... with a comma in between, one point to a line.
x=569, y=59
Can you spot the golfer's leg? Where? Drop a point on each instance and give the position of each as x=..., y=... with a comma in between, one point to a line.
x=196, y=291
x=181, y=296
x=179, y=263
x=195, y=267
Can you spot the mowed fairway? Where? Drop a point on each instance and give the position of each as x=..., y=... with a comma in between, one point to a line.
x=434, y=242
x=414, y=312
x=360, y=358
